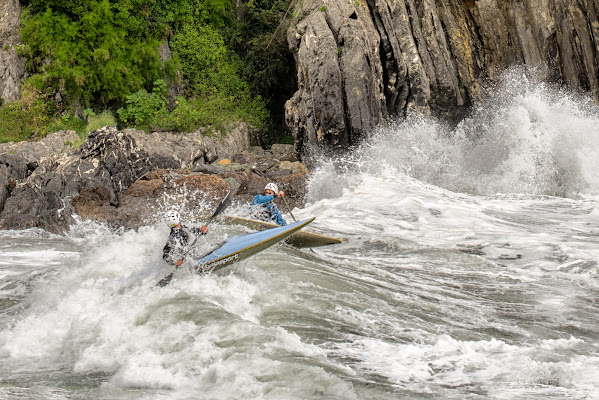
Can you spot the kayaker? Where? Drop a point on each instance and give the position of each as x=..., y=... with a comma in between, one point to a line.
x=180, y=239
x=264, y=208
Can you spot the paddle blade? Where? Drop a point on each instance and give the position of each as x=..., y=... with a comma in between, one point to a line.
x=165, y=281
x=223, y=204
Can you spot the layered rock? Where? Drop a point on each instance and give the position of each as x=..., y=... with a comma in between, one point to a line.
x=124, y=178
x=360, y=62
x=12, y=67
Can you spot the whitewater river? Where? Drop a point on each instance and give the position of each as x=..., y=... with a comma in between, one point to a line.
x=468, y=270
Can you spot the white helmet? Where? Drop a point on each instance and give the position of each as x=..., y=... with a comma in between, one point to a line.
x=172, y=218
x=273, y=187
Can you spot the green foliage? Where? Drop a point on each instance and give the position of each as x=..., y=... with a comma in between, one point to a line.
x=323, y=8
x=214, y=78
x=216, y=13
x=185, y=117
x=96, y=60
x=21, y=119
x=66, y=122
x=189, y=115
x=69, y=8
x=201, y=52
x=268, y=66
x=105, y=118
x=103, y=54
x=142, y=107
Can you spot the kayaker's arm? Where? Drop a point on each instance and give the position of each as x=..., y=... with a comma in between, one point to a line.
x=202, y=230
x=261, y=199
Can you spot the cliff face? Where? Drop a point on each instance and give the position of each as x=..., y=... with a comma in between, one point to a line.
x=12, y=67
x=360, y=62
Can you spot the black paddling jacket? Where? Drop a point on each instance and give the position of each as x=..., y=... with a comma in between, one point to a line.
x=178, y=243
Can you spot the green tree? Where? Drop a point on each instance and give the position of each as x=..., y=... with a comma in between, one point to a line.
x=97, y=60
x=213, y=76
x=268, y=66
x=103, y=55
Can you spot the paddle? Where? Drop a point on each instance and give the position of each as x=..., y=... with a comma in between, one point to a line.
x=289, y=209
x=223, y=204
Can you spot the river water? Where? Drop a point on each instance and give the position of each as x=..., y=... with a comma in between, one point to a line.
x=468, y=270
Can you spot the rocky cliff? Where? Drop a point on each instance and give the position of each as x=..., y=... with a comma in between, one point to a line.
x=129, y=178
x=360, y=62
x=12, y=67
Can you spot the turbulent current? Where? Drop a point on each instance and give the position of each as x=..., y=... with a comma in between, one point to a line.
x=468, y=270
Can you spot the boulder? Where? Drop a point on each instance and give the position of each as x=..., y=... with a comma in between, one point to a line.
x=146, y=200
x=128, y=178
x=94, y=203
x=284, y=152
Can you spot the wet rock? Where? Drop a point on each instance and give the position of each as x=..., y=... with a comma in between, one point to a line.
x=274, y=175
x=20, y=221
x=94, y=203
x=208, y=168
x=4, y=185
x=145, y=200
x=125, y=178
x=284, y=152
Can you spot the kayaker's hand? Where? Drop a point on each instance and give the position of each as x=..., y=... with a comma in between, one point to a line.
x=204, y=229
x=178, y=262
x=281, y=194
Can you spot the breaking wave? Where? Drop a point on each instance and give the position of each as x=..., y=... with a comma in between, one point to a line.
x=525, y=137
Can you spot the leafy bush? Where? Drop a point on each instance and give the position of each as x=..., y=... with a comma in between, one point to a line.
x=185, y=117
x=66, y=122
x=142, y=107
x=201, y=52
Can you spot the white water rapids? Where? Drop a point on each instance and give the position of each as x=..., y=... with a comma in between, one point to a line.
x=468, y=270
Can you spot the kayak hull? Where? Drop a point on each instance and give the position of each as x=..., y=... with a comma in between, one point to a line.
x=301, y=239
x=241, y=247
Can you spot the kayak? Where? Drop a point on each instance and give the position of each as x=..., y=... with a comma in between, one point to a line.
x=301, y=239
x=244, y=246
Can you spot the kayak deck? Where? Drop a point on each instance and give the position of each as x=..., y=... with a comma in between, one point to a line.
x=301, y=239
x=244, y=246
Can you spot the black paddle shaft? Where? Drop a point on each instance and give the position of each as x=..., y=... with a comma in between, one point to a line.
x=224, y=203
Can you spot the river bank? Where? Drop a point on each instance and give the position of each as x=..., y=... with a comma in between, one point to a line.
x=124, y=178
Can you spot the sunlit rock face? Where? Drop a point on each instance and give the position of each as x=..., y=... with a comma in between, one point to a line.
x=361, y=62
x=12, y=67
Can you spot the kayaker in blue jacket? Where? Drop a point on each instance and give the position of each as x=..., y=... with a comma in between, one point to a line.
x=264, y=208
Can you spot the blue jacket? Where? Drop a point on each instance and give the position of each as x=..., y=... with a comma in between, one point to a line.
x=267, y=210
